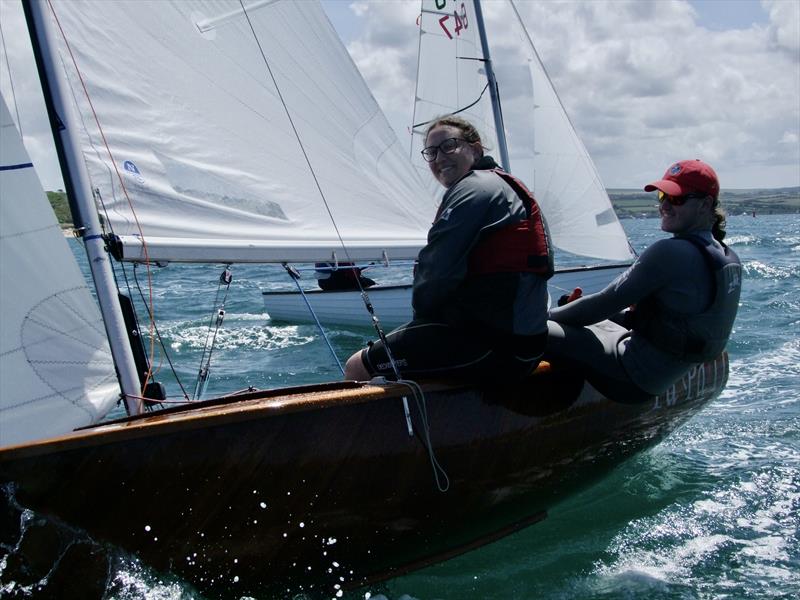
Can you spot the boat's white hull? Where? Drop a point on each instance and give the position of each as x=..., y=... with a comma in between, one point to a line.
x=392, y=304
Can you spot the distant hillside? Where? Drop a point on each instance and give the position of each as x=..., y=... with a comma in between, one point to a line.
x=58, y=200
x=627, y=203
x=638, y=203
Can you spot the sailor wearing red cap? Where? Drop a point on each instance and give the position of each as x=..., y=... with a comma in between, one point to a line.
x=684, y=291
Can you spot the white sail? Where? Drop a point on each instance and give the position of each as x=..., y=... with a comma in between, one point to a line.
x=56, y=371
x=201, y=154
x=450, y=76
x=545, y=151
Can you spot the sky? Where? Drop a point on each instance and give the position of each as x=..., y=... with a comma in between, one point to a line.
x=645, y=82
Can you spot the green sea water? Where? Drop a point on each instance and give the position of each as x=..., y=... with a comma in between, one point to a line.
x=712, y=512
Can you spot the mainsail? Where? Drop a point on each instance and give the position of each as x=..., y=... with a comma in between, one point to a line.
x=228, y=132
x=545, y=150
x=55, y=366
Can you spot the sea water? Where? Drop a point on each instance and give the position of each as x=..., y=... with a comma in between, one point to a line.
x=712, y=512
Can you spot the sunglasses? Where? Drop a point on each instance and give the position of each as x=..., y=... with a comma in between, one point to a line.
x=446, y=147
x=676, y=200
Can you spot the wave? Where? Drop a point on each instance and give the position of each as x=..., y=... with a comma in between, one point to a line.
x=772, y=372
x=741, y=240
x=731, y=478
x=256, y=337
x=743, y=529
x=755, y=269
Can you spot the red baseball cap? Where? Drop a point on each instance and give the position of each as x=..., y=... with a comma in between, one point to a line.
x=687, y=177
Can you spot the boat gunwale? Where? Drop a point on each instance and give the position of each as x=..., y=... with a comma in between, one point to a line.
x=405, y=286
x=221, y=411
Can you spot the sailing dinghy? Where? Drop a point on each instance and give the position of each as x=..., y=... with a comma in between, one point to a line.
x=313, y=488
x=455, y=75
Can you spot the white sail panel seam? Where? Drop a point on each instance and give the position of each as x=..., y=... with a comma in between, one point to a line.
x=209, y=24
x=11, y=236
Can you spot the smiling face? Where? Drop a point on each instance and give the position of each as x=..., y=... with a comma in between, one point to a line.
x=695, y=215
x=449, y=168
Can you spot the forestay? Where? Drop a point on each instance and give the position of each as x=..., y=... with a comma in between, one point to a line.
x=544, y=148
x=55, y=366
x=200, y=139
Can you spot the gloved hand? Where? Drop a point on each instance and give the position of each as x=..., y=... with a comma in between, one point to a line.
x=567, y=298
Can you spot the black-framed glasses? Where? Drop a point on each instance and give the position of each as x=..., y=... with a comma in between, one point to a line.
x=446, y=147
x=677, y=200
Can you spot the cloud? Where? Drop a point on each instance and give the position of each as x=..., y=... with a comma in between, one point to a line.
x=789, y=137
x=644, y=82
x=784, y=27
x=386, y=54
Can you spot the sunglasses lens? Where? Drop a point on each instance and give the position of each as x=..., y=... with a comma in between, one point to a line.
x=673, y=200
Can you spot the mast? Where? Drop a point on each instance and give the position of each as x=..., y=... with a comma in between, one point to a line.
x=79, y=192
x=493, y=93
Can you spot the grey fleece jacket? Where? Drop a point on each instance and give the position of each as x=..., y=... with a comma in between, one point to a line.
x=497, y=304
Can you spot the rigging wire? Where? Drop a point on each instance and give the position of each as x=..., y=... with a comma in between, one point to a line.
x=122, y=185
x=460, y=110
x=296, y=277
x=121, y=266
x=225, y=280
x=439, y=473
x=375, y=320
x=160, y=339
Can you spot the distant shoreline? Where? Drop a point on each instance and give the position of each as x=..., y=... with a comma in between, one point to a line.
x=638, y=203
x=628, y=204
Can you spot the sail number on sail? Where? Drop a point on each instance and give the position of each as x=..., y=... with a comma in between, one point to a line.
x=460, y=19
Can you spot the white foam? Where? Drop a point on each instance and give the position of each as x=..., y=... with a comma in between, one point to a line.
x=255, y=337
x=762, y=270
x=135, y=582
x=759, y=373
x=740, y=240
x=750, y=524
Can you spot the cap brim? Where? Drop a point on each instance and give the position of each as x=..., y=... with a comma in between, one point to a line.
x=668, y=187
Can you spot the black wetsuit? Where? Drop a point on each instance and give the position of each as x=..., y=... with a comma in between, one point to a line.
x=621, y=361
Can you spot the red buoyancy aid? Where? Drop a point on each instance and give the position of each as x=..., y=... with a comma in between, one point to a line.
x=522, y=247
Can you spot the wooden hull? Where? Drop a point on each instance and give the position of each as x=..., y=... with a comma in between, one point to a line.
x=393, y=303
x=295, y=489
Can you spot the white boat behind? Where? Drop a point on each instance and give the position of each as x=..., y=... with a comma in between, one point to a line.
x=392, y=303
